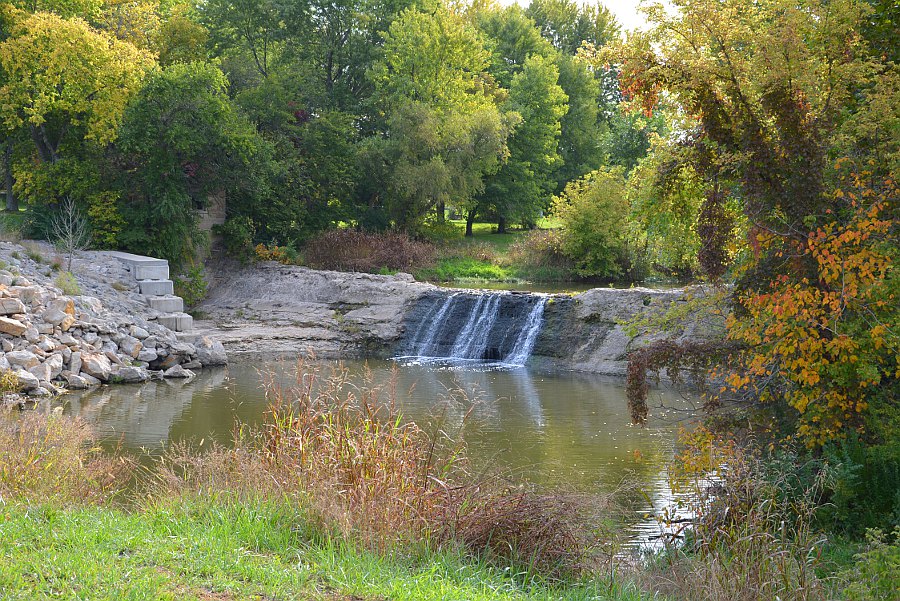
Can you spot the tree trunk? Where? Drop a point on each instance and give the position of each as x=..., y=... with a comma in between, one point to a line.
x=501, y=224
x=441, y=210
x=470, y=220
x=12, y=203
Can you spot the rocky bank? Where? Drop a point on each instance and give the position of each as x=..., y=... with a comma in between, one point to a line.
x=104, y=332
x=274, y=309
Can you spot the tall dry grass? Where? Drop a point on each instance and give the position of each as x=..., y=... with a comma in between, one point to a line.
x=53, y=458
x=352, y=250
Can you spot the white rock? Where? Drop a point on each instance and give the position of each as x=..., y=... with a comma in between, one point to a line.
x=130, y=374
x=131, y=346
x=147, y=355
x=176, y=371
x=42, y=372
x=11, y=306
x=55, y=362
x=210, y=352
x=28, y=381
x=76, y=382
x=23, y=359
x=96, y=365
x=75, y=362
x=13, y=327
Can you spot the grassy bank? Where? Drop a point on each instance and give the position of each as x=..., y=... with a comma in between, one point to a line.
x=220, y=550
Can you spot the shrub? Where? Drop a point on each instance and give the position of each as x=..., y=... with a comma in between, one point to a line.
x=594, y=212
x=538, y=255
x=351, y=250
x=876, y=575
x=191, y=286
x=67, y=283
x=238, y=233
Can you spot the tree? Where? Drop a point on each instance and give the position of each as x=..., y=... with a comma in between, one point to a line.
x=580, y=135
x=71, y=232
x=63, y=92
x=523, y=186
x=444, y=132
x=567, y=25
x=183, y=140
x=432, y=58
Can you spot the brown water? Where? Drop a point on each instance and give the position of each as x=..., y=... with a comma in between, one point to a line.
x=550, y=428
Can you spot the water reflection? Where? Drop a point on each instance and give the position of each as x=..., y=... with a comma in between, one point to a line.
x=551, y=428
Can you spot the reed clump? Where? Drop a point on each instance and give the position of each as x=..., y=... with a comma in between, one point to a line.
x=49, y=457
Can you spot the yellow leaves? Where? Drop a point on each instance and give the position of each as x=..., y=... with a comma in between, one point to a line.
x=67, y=69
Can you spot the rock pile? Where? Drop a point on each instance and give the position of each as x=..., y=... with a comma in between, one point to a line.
x=51, y=341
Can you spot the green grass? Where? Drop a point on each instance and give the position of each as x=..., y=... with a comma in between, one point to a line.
x=207, y=550
x=456, y=269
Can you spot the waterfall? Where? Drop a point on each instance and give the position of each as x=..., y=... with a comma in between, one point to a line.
x=480, y=327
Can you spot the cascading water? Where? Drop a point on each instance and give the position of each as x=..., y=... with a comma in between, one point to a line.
x=476, y=327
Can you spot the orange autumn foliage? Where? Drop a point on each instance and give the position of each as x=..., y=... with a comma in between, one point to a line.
x=824, y=345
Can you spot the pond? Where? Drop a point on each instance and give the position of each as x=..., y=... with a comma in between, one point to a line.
x=553, y=428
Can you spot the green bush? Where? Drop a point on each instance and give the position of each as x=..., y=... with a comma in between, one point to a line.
x=593, y=213
x=66, y=282
x=238, y=233
x=876, y=575
x=191, y=286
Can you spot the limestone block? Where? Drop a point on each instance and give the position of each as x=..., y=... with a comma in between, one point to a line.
x=11, y=306
x=156, y=287
x=23, y=359
x=166, y=304
x=13, y=327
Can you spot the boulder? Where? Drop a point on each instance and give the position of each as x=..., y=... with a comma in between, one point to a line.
x=58, y=318
x=91, y=380
x=75, y=362
x=11, y=306
x=28, y=381
x=63, y=304
x=96, y=365
x=55, y=363
x=32, y=335
x=23, y=359
x=76, y=382
x=13, y=327
x=131, y=374
x=147, y=355
x=178, y=372
x=210, y=351
x=41, y=371
x=139, y=333
x=131, y=346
